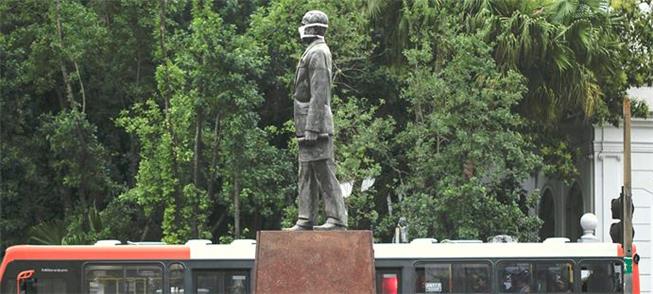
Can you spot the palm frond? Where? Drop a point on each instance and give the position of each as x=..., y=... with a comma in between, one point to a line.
x=48, y=233
x=373, y=8
x=563, y=10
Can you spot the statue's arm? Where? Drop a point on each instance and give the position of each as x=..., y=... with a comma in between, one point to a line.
x=319, y=88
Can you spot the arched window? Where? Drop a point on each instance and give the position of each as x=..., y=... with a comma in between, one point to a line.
x=547, y=215
x=574, y=211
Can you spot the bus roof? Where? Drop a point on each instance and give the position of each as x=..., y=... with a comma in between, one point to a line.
x=495, y=250
x=93, y=252
x=247, y=251
x=97, y=252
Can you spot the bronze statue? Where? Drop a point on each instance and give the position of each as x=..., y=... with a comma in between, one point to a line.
x=314, y=130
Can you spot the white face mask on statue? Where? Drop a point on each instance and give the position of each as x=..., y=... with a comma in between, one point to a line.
x=302, y=30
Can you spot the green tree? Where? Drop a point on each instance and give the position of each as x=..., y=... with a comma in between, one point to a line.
x=577, y=62
x=636, y=36
x=567, y=51
x=577, y=57
x=201, y=144
x=56, y=163
x=464, y=153
x=81, y=175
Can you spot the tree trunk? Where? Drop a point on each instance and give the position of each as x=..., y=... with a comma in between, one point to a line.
x=133, y=157
x=133, y=142
x=138, y=68
x=236, y=207
x=469, y=168
x=82, y=158
x=62, y=103
x=199, y=118
x=64, y=71
x=177, y=198
x=162, y=28
x=146, y=230
x=218, y=222
x=81, y=86
x=196, y=166
x=67, y=201
x=213, y=169
x=197, y=149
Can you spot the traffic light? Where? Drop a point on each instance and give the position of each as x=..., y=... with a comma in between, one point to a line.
x=616, y=229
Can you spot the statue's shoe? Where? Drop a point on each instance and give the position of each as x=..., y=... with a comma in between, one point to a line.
x=297, y=228
x=330, y=227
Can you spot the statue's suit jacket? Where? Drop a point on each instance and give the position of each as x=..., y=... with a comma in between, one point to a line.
x=312, y=101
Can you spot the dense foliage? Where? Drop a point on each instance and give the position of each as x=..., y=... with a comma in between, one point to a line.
x=171, y=120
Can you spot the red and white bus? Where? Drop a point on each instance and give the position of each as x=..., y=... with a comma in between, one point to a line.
x=417, y=267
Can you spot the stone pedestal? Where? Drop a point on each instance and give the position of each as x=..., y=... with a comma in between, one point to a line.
x=314, y=262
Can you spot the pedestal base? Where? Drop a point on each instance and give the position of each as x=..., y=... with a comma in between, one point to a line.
x=314, y=262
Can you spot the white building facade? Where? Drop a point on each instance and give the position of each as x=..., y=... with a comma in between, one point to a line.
x=608, y=178
x=600, y=180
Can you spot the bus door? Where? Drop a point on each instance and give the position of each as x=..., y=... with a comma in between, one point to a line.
x=28, y=283
x=25, y=282
x=52, y=277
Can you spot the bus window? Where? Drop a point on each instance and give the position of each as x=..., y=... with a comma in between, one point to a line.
x=176, y=273
x=221, y=281
x=131, y=279
x=553, y=277
x=535, y=277
x=388, y=281
x=472, y=278
x=433, y=278
x=453, y=278
x=53, y=286
x=515, y=277
x=601, y=276
x=143, y=279
x=102, y=279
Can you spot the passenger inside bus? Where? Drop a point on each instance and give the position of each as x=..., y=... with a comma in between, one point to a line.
x=520, y=282
x=597, y=279
x=479, y=282
x=515, y=277
x=559, y=285
x=553, y=277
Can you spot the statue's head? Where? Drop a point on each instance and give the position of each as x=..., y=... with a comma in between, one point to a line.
x=314, y=25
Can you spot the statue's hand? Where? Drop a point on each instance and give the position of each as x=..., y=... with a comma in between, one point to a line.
x=310, y=136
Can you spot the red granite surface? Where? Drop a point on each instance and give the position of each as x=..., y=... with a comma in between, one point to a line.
x=314, y=262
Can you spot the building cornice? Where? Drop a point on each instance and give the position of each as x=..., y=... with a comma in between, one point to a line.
x=635, y=123
x=617, y=147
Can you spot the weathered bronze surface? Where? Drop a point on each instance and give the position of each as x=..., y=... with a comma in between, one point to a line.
x=314, y=262
x=314, y=130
